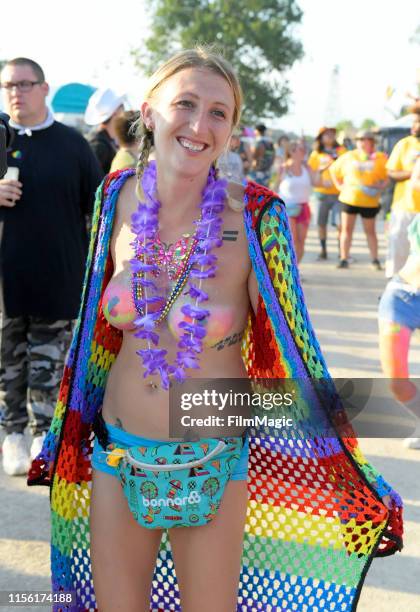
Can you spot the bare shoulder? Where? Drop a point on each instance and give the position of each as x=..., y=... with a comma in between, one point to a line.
x=236, y=193
x=127, y=199
x=128, y=190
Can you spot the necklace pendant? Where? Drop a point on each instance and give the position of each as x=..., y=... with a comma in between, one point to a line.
x=171, y=257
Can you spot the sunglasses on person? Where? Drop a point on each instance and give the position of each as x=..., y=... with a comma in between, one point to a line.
x=22, y=86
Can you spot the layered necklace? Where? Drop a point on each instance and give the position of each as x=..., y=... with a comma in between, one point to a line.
x=172, y=257
x=183, y=261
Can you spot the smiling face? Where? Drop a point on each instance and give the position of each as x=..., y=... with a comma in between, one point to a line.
x=26, y=108
x=191, y=115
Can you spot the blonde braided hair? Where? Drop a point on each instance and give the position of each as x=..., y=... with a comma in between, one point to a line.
x=145, y=145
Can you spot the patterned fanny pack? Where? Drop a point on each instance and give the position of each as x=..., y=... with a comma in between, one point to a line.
x=176, y=484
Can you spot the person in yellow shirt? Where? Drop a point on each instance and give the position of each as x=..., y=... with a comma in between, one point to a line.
x=126, y=156
x=360, y=175
x=326, y=150
x=406, y=202
x=415, y=185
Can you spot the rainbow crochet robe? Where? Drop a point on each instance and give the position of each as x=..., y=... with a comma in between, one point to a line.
x=315, y=516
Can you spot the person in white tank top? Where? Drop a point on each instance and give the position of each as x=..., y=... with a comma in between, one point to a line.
x=295, y=185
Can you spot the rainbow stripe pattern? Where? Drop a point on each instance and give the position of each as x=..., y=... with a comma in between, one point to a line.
x=315, y=517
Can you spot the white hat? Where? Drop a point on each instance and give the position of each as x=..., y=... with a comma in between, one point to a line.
x=101, y=105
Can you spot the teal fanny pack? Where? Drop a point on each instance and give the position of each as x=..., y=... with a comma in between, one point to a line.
x=176, y=484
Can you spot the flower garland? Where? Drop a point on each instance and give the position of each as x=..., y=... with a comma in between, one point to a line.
x=202, y=265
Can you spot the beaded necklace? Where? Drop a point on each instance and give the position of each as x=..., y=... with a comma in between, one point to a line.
x=199, y=264
x=171, y=257
x=182, y=274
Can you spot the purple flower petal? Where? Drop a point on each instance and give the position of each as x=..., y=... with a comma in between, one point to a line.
x=194, y=313
x=147, y=335
x=209, y=243
x=138, y=266
x=209, y=223
x=212, y=207
x=189, y=342
x=147, y=321
x=179, y=374
x=164, y=377
x=186, y=361
x=210, y=273
x=196, y=293
x=153, y=299
x=203, y=260
x=147, y=284
x=198, y=331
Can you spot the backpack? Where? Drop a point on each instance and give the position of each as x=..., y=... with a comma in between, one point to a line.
x=264, y=164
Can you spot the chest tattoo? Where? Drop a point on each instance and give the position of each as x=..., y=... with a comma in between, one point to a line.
x=230, y=235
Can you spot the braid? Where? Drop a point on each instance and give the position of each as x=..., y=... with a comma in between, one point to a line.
x=146, y=142
x=215, y=168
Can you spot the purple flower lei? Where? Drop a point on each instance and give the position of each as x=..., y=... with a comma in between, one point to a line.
x=145, y=225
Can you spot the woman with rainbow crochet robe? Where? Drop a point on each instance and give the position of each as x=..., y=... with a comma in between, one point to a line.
x=191, y=277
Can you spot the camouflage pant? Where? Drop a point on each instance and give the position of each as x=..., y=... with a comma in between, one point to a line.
x=32, y=353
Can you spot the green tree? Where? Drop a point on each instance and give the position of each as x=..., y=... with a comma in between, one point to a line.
x=344, y=126
x=368, y=124
x=255, y=35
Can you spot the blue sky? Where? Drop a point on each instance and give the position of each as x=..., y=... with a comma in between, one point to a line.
x=90, y=42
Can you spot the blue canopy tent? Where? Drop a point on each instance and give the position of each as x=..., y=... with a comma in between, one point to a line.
x=72, y=98
x=69, y=103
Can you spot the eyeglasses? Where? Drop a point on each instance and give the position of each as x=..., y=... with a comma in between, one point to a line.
x=22, y=86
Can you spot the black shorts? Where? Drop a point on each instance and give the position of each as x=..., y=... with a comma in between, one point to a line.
x=366, y=213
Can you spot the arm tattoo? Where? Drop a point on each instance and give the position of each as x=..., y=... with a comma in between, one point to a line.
x=229, y=341
x=230, y=235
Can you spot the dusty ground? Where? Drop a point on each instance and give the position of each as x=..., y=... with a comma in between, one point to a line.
x=343, y=308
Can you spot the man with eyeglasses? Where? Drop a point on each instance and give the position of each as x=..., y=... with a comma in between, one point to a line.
x=44, y=201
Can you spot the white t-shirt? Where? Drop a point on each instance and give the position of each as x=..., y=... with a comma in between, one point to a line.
x=295, y=189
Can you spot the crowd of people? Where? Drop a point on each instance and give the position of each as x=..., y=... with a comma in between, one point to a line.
x=151, y=269
x=337, y=185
